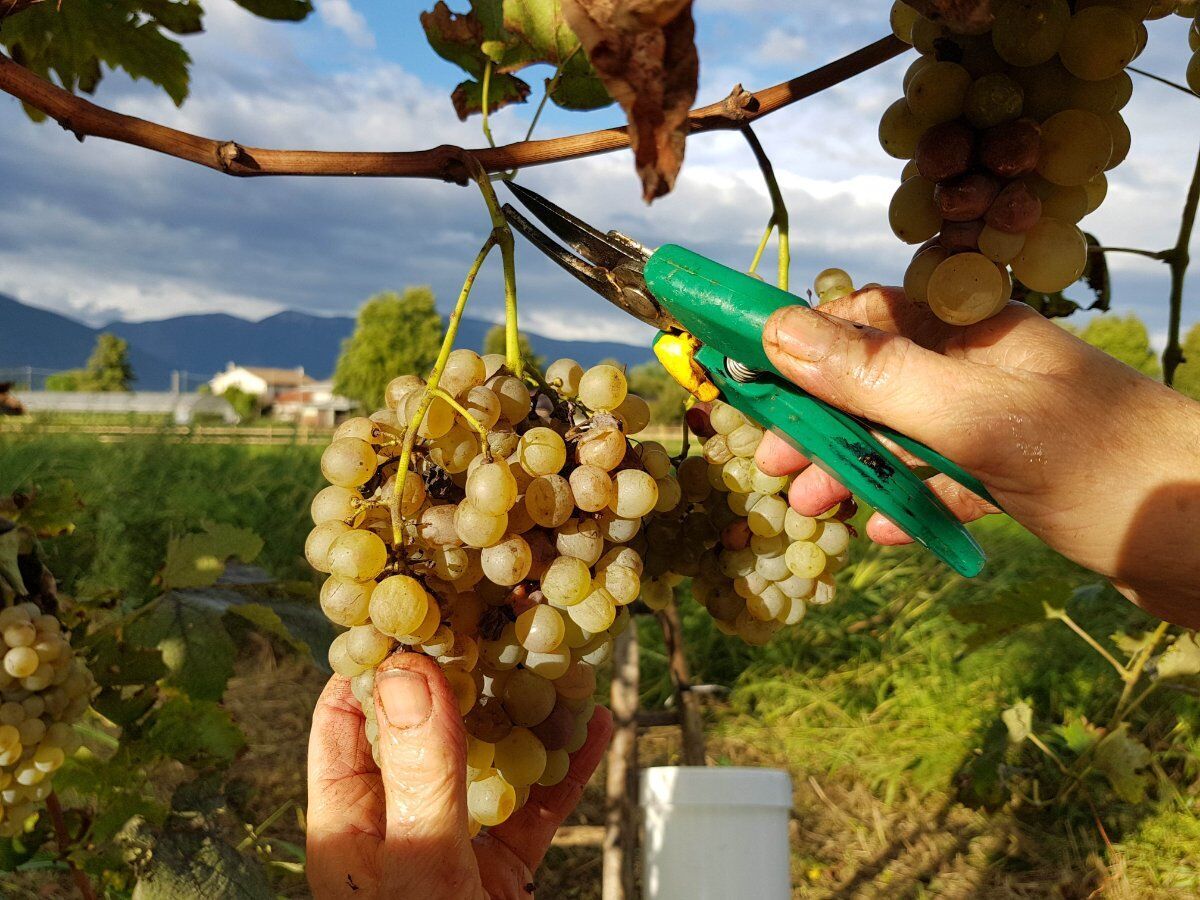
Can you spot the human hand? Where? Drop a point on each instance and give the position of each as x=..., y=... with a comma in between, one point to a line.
x=1097, y=460
x=402, y=832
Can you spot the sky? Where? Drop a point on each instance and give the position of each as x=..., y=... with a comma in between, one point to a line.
x=102, y=231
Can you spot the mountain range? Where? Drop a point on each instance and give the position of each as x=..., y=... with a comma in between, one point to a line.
x=201, y=345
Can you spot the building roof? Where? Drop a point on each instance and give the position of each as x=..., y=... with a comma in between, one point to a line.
x=280, y=377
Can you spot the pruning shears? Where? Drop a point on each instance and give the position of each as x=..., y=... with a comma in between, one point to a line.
x=710, y=320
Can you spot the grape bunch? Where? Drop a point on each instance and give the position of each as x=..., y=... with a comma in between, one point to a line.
x=755, y=563
x=503, y=549
x=1008, y=135
x=1189, y=9
x=44, y=689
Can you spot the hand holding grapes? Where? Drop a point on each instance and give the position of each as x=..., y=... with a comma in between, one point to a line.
x=400, y=829
x=1097, y=460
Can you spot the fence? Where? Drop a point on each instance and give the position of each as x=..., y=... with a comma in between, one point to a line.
x=174, y=434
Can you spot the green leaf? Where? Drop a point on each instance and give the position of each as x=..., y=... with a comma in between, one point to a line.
x=503, y=90
x=10, y=568
x=1018, y=719
x=194, y=731
x=1181, y=659
x=196, y=648
x=180, y=18
x=999, y=617
x=186, y=863
x=267, y=621
x=1078, y=734
x=1120, y=758
x=1131, y=644
x=52, y=510
x=279, y=10
x=198, y=560
x=116, y=663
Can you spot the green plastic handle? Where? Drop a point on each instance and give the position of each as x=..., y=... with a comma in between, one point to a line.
x=727, y=311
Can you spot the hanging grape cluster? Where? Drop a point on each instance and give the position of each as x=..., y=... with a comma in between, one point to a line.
x=1190, y=9
x=755, y=563
x=1008, y=134
x=44, y=689
x=514, y=568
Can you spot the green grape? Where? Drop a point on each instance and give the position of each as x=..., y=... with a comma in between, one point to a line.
x=549, y=500
x=634, y=494
x=993, y=99
x=963, y=290
x=528, y=697
x=903, y=17
x=490, y=799
x=913, y=216
x=832, y=284
x=900, y=130
x=358, y=555
x=1076, y=146
x=1099, y=43
x=565, y=375
x=834, y=538
x=938, y=92
x=367, y=646
x=542, y=451
x=520, y=757
x=1028, y=32
x=1052, y=258
x=399, y=605
x=476, y=528
x=349, y=462
x=507, y=562
x=634, y=411
x=602, y=387
x=766, y=516
x=916, y=276
x=999, y=246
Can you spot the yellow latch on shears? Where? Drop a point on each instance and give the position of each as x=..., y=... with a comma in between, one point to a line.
x=677, y=353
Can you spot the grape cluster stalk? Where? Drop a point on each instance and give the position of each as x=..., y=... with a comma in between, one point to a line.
x=1008, y=133
x=520, y=549
x=44, y=689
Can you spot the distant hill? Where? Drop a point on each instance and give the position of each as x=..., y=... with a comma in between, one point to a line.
x=203, y=344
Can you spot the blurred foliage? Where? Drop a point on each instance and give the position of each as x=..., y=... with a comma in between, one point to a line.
x=495, y=342
x=1124, y=337
x=654, y=384
x=1187, y=376
x=107, y=369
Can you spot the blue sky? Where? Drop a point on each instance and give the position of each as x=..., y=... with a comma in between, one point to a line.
x=104, y=231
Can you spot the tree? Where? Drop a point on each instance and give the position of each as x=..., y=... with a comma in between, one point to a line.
x=1126, y=338
x=107, y=369
x=1187, y=376
x=654, y=384
x=244, y=403
x=396, y=334
x=66, y=380
x=494, y=342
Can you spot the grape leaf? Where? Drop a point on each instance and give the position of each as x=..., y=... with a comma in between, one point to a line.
x=1120, y=758
x=1078, y=734
x=1129, y=644
x=645, y=53
x=502, y=91
x=1004, y=614
x=188, y=858
x=194, y=731
x=279, y=10
x=198, y=560
x=1181, y=659
x=1018, y=719
x=196, y=649
x=51, y=510
x=267, y=621
x=10, y=551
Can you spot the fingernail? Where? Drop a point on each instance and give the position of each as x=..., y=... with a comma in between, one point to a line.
x=805, y=334
x=405, y=697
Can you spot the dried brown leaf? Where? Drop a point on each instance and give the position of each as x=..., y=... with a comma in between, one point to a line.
x=645, y=53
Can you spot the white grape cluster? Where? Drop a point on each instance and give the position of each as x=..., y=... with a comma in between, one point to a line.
x=514, y=568
x=1190, y=9
x=755, y=563
x=44, y=689
x=1008, y=134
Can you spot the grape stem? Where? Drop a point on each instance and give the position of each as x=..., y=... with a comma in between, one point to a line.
x=82, y=883
x=410, y=433
x=487, y=84
x=503, y=237
x=470, y=419
x=1167, y=81
x=1178, y=260
x=1160, y=255
x=779, y=213
x=1065, y=618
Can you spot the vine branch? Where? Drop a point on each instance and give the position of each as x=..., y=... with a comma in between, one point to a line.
x=1178, y=260
x=82, y=883
x=1167, y=81
x=779, y=213
x=86, y=119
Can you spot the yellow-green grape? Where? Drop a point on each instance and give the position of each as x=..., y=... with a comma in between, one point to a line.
x=540, y=629
x=399, y=605
x=1099, y=43
x=549, y=500
x=899, y=130
x=550, y=665
x=514, y=398
x=938, y=92
x=603, y=448
x=507, y=562
x=577, y=683
x=999, y=246
x=476, y=528
x=744, y=441
x=494, y=364
x=567, y=581
x=1102, y=97
x=1097, y=190
x=21, y=662
x=436, y=526
x=542, y=450
x=520, y=757
x=1193, y=69
x=483, y=405
x=634, y=412
x=965, y=289
x=427, y=629
x=528, y=698
x=834, y=538
x=349, y=462
x=358, y=555
x=767, y=605
x=925, y=33
x=465, y=690
x=602, y=387
x=565, y=375
x=319, y=541
x=345, y=601
x=480, y=754
x=1029, y=32
x=581, y=539
x=1067, y=203
x=399, y=388
x=622, y=583
x=656, y=594
x=912, y=214
x=595, y=613
x=557, y=764
x=915, y=67
x=655, y=459
x=1053, y=256
x=359, y=427
x=1121, y=139
x=367, y=646
x=669, y=494
x=438, y=418
x=334, y=504
x=414, y=493
x=490, y=799
x=591, y=488
x=339, y=657
x=440, y=643
x=916, y=276
x=634, y=494
x=804, y=559
x=832, y=284
x=903, y=17
x=766, y=515
x=1076, y=147
x=464, y=370
x=993, y=99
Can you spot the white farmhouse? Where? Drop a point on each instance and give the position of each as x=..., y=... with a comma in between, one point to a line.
x=314, y=406
x=264, y=383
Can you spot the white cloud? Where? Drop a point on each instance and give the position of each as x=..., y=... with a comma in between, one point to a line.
x=783, y=45
x=343, y=17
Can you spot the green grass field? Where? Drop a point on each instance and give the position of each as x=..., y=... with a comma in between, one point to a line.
x=877, y=705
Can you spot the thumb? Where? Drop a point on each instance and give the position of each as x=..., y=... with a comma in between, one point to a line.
x=422, y=757
x=874, y=374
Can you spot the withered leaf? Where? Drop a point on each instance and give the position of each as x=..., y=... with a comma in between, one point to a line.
x=645, y=53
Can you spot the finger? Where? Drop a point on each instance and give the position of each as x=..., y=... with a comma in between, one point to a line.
x=776, y=456
x=815, y=491
x=529, y=830
x=345, y=820
x=422, y=754
x=888, y=309
x=875, y=374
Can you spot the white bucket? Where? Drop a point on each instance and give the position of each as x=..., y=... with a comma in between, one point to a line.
x=715, y=833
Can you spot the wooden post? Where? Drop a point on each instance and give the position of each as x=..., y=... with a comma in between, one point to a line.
x=690, y=720
x=620, y=807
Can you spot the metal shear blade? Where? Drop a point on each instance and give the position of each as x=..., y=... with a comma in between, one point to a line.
x=612, y=263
